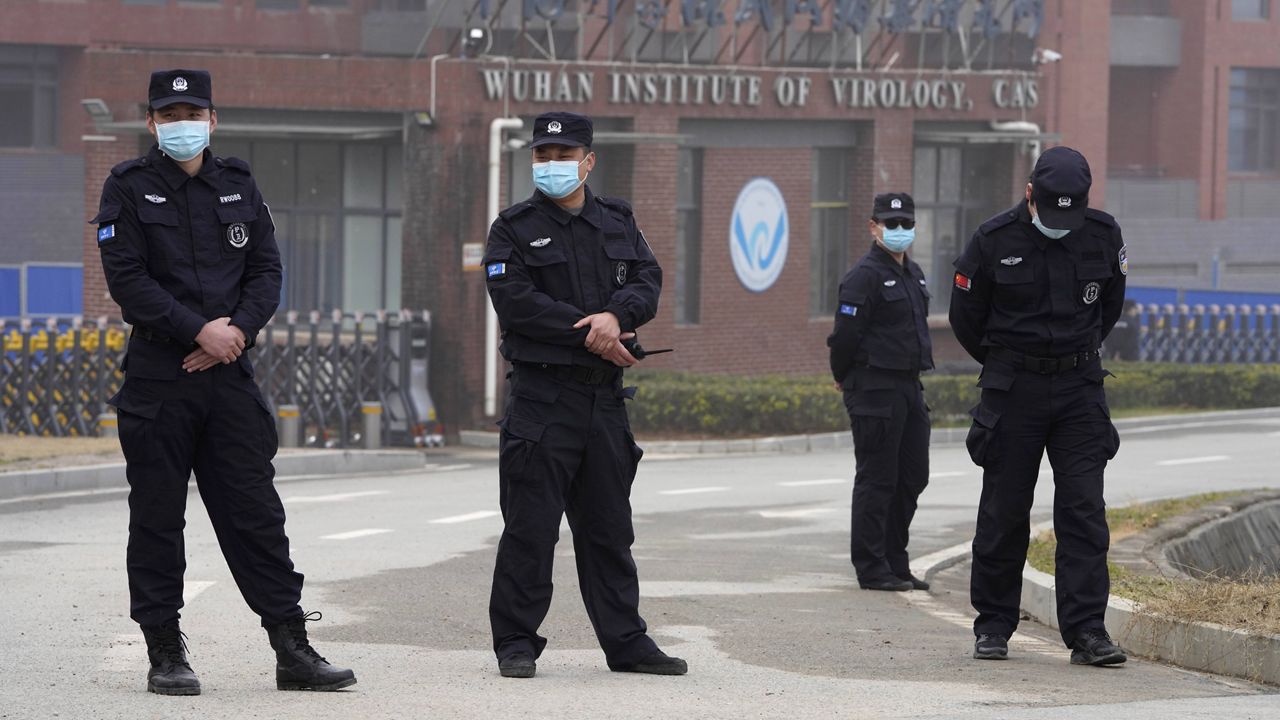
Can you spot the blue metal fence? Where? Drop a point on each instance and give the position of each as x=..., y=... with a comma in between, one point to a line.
x=1213, y=333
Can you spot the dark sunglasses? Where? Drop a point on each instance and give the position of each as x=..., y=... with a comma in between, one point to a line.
x=895, y=223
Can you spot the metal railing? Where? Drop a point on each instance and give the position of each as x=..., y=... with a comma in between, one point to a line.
x=323, y=376
x=1209, y=334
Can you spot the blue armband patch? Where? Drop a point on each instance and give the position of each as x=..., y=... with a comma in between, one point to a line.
x=850, y=310
x=496, y=270
x=106, y=233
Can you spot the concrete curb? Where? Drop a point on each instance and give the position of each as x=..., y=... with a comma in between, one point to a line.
x=111, y=475
x=1194, y=645
x=823, y=442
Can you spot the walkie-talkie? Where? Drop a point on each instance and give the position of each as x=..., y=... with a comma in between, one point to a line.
x=633, y=346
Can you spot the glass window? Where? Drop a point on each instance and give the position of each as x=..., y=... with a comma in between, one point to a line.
x=276, y=171
x=362, y=246
x=1250, y=9
x=395, y=177
x=828, y=229
x=924, y=173
x=391, y=293
x=28, y=97
x=1253, y=127
x=688, y=271
x=278, y=4
x=362, y=176
x=319, y=175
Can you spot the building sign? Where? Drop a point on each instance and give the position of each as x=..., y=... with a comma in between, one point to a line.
x=758, y=234
x=870, y=91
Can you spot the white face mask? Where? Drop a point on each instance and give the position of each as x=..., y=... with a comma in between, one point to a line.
x=182, y=140
x=1051, y=233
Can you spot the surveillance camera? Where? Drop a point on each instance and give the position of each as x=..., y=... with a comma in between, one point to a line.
x=476, y=42
x=1045, y=55
x=516, y=143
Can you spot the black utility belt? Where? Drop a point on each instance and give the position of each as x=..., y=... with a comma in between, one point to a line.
x=1043, y=365
x=151, y=336
x=575, y=373
x=905, y=374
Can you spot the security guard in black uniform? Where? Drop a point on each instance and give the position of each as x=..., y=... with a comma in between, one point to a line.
x=879, y=347
x=189, y=252
x=571, y=278
x=1037, y=290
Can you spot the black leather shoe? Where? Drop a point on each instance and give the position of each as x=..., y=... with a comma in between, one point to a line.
x=991, y=647
x=916, y=583
x=517, y=666
x=889, y=583
x=298, y=665
x=659, y=663
x=169, y=674
x=1094, y=647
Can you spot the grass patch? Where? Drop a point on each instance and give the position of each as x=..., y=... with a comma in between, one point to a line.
x=1250, y=603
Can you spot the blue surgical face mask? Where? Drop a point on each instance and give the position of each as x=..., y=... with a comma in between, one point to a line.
x=557, y=178
x=1051, y=233
x=898, y=239
x=182, y=140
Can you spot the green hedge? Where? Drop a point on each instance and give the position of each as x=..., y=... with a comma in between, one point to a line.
x=726, y=405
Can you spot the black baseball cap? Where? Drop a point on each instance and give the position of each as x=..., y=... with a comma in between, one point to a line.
x=169, y=87
x=562, y=128
x=1060, y=188
x=889, y=206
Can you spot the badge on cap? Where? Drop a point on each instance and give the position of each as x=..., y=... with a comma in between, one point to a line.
x=895, y=204
x=1091, y=292
x=1064, y=202
x=238, y=235
x=1124, y=260
x=179, y=84
x=554, y=127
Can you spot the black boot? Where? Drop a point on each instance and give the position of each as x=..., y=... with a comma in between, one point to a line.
x=169, y=674
x=298, y=665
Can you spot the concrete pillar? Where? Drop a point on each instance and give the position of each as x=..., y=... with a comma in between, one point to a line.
x=289, y=417
x=107, y=426
x=372, y=413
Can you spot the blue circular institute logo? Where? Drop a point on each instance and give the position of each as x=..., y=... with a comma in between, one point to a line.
x=758, y=234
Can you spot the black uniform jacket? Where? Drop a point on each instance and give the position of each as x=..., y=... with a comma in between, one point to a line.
x=179, y=251
x=1015, y=288
x=547, y=269
x=882, y=318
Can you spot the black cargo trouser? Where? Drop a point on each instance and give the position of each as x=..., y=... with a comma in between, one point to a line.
x=216, y=424
x=890, y=424
x=1022, y=416
x=566, y=449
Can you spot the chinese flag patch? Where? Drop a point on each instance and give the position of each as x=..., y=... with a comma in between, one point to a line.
x=963, y=282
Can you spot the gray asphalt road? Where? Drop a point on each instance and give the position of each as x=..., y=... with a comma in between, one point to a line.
x=744, y=572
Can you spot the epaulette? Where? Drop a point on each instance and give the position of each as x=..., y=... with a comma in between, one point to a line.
x=234, y=163
x=997, y=222
x=127, y=165
x=1100, y=216
x=516, y=210
x=613, y=203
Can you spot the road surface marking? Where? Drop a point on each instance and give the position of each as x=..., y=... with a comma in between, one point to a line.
x=453, y=519
x=808, y=483
x=192, y=588
x=1194, y=460
x=448, y=468
x=1020, y=641
x=801, y=513
x=950, y=473
x=693, y=491
x=355, y=534
x=335, y=497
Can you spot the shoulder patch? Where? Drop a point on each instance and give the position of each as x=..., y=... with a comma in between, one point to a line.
x=1100, y=216
x=516, y=210
x=234, y=163
x=128, y=165
x=613, y=203
x=997, y=222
